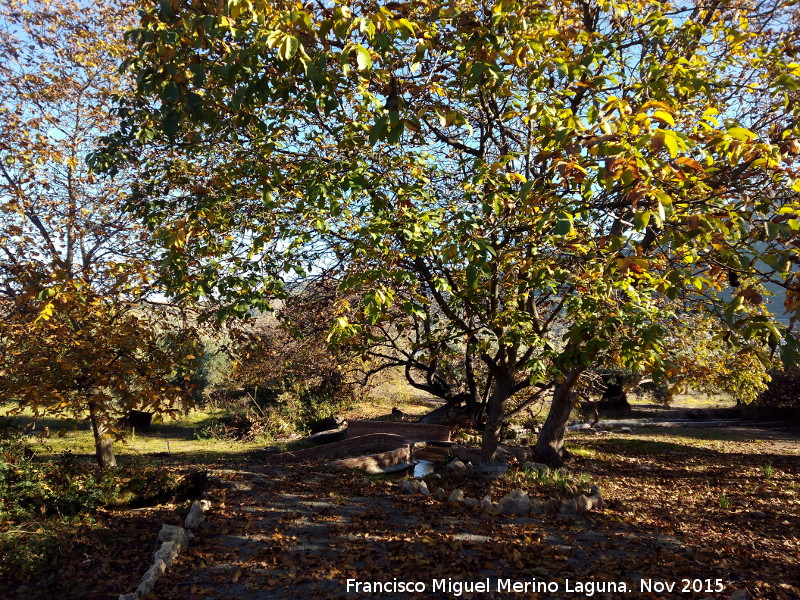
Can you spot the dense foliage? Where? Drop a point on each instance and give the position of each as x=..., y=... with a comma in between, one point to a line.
x=77, y=334
x=517, y=191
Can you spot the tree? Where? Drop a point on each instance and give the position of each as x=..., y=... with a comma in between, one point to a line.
x=517, y=192
x=76, y=336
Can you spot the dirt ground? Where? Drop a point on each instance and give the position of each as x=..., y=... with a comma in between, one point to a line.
x=686, y=507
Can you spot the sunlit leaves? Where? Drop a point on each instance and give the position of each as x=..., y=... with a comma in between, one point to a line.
x=75, y=269
x=536, y=188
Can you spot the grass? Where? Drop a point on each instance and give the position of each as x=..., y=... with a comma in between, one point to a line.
x=562, y=481
x=172, y=436
x=176, y=437
x=702, y=401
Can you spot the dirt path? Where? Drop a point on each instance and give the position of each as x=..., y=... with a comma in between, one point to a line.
x=303, y=533
x=282, y=536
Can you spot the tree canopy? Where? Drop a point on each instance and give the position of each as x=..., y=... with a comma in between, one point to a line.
x=510, y=193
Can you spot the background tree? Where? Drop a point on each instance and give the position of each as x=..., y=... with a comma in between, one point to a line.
x=76, y=336
x=530, y=190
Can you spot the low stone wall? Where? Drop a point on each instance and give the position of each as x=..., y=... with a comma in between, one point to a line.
x=173, y=540
x=381, y=462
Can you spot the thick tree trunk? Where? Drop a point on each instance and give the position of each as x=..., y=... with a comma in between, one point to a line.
x=104, y=449
x=495, y=412
x=550, y=445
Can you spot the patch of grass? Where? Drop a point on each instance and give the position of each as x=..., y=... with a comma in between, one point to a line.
x=724, y=501
x=639, y=445
x=699, y=401
x=768, y=470
x=560, y=481
x=172, y=436
x=66, y=486
x=582, y=452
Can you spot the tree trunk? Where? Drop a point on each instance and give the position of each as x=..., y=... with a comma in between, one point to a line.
x=104, y=449
x=494, y=417
x=550, y=445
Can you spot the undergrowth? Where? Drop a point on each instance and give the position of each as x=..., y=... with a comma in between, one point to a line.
x=42, y=500
x=547, y=481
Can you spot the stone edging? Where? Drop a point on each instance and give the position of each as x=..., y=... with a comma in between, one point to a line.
x=517, y=503
x=174, y=540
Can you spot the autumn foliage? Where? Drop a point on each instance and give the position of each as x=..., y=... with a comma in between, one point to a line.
x=77, y=336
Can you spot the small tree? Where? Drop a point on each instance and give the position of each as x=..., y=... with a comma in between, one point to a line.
x=76, y=335
x=517, y=192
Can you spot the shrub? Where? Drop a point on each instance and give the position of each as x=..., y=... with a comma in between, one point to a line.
x=66, y=486
x=782, y=394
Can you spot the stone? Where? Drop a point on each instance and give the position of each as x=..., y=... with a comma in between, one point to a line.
x=583, y=504
x=757, y=514
x=471, y=502
x=432, y=478
x=149, y=579
x=131, y=596
x=552, y=506
x=167, y=553
x=196, y=514
x=537, y=507
x=740, y=595
x=596, y=497
x=173, y=533
x=407, y=487
x=539, y=468
x=487, y=505
x=328, y=436
x=414, y=486
x=625, y=430
x=326, y=424
x=456, y=496
x=456, y=467
x=569, y=508
x=440, y=494
x=516, y=503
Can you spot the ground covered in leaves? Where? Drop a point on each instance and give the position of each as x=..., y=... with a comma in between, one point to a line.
x=696, y=505
x=678, y=508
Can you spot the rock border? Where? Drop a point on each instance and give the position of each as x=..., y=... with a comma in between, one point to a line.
x=173, y=540
x=515, y=504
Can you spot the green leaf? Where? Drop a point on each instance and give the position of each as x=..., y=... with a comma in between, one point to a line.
x=288, y=47
x=472, y=277
x=563, y=226
x=640, y=220
x=171, y=93
x=363, y=58
x=378, y=130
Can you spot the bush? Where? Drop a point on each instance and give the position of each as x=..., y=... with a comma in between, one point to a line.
x=268, y=414
x=66, y=486
x=782, y=394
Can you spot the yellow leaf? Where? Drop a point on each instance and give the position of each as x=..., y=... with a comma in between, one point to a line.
x=656, y=104
x=664, y=117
